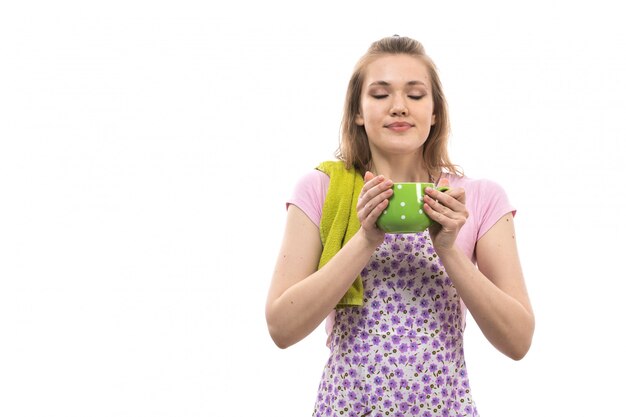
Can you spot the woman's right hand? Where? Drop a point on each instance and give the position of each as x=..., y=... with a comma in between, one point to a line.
x=373, y=199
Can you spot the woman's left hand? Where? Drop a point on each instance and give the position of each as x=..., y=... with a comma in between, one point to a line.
x=449, y=213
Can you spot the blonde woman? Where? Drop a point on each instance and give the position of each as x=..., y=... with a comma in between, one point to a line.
x=395, y=304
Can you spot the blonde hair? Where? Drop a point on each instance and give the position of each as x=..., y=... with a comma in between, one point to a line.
x=354, y=148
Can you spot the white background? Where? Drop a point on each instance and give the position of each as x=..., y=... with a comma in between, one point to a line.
x=147, y=149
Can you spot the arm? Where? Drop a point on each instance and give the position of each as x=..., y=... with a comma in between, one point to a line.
x=300, y=296
x=494, y=293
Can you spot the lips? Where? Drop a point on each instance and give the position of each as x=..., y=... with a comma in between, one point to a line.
x=399, y=126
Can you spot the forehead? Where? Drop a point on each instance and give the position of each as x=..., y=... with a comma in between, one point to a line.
x=397, y=69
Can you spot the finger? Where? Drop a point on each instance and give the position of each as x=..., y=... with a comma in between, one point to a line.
x=370, y=219
x=437, y=207
x=371, y=199
x=432, y=213
x=371, y=182
x=457, y=193
x=445, y=222
x=453, y=198
x=373, y=189
x=448, y=218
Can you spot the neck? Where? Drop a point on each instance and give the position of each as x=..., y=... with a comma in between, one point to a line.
x=403, y=170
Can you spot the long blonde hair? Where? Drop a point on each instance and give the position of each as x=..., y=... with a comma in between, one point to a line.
x=354, y=145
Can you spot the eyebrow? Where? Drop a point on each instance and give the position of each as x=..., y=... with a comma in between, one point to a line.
x=386, y=84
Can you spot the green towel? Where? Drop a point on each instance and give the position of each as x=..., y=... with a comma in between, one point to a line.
x=340, y=221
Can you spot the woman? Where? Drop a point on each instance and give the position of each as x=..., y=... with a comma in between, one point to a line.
x=397, y=303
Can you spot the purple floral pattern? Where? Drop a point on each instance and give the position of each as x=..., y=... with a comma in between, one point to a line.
x=401, y=353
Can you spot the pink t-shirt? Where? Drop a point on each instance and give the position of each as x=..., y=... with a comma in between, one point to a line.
x=485, y=201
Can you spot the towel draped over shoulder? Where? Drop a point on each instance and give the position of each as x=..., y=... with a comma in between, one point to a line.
x=340, y=221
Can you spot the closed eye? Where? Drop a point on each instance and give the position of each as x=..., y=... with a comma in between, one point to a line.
x=380, y=96
x=416, y=97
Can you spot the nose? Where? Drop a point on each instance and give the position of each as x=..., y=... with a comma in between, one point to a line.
x=398, y=107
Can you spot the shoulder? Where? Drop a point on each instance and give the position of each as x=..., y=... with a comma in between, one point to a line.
x=330, y=167
x=314, y=181
x=309, y=194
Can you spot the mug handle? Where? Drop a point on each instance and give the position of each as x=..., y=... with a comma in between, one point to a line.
x=443, y=189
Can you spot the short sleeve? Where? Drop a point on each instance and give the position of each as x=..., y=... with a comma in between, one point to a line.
x=309, y=194
x=494, y=203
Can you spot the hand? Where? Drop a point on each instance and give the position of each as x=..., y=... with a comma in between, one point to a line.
x=448, y=212
x=373, y=199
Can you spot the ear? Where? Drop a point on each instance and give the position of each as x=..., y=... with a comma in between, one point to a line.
x=433, y=119
x=359, y=120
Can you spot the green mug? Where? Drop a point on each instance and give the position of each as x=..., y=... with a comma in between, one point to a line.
x=405, y=211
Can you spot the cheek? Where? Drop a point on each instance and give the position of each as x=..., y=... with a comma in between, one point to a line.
x=369, y=112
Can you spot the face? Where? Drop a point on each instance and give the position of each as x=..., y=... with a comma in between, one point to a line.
x=396, y=105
